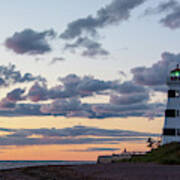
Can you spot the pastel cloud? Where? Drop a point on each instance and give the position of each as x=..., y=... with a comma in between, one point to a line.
x=112, y=14
x=90, y=47
x=9, y=76
x=30, y=42
x=171, y=9
x=23, y=137
x=156, y=74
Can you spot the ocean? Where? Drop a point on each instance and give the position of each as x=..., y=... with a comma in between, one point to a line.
x=19, y=164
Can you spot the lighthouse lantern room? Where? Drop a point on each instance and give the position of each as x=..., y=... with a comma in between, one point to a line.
x=171, y=130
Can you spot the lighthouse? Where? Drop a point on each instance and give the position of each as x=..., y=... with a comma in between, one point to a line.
x=171, y=130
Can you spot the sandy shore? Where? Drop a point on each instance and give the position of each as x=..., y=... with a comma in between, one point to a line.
x=120, y=171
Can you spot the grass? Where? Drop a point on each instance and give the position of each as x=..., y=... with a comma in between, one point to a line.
x=166, y=154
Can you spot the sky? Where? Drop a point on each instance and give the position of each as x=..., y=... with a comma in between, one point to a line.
x=80, y=78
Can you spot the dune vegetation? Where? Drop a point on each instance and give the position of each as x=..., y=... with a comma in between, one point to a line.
x=165, y=154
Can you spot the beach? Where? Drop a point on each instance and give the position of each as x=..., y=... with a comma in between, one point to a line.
x=114, y=171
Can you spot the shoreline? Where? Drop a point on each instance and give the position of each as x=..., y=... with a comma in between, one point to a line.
x=8, y=164
x=115, y=171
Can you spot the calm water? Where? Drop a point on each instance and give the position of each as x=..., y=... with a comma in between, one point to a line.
x=18, y=164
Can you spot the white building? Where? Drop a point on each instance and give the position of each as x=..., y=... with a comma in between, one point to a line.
x=171, y=130
x=113, y=158
x=117, y=157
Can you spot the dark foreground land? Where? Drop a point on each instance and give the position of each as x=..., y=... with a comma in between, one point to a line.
x=116, y=171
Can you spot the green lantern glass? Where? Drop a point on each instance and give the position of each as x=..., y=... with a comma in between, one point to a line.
x=177, y=74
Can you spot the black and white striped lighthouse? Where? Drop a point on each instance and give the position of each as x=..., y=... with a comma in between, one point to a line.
x=171, y=130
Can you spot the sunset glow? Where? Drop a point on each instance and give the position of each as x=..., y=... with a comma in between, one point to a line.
x=80, y=79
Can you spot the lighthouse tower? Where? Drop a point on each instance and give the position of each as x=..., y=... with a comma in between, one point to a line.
x=171, y=130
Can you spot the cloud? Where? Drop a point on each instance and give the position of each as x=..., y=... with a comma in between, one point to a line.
x=73, y=135
x=172, y=20
x=115, y=108
x=122, y=73
x=112, y=14
x=101, y=149
x=85, y=86
x=16, y=95
x=129, y=87
x=9, y=76
x=12, y=109
x=65, y=97
x=30, y=42
x=27, y=110
x=95, y=149
x=144, y=109
x=88, y=86
x=126, y=99
x=7, y=105
x=38, y=92
x=119, y=106
x=90, y=47
x=73, y=107
x=129, y=99
x=9, y=102
x=67, y=107
x=56, y=60
x=39, y=59
x=162, y=7
x=76, y=131
x=163, y=88
x=17, y=141
x=166, y=6
x=71, y=86
x=156, y=74
x=172, y=10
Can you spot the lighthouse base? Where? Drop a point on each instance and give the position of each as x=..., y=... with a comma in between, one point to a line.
x=170, y=139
